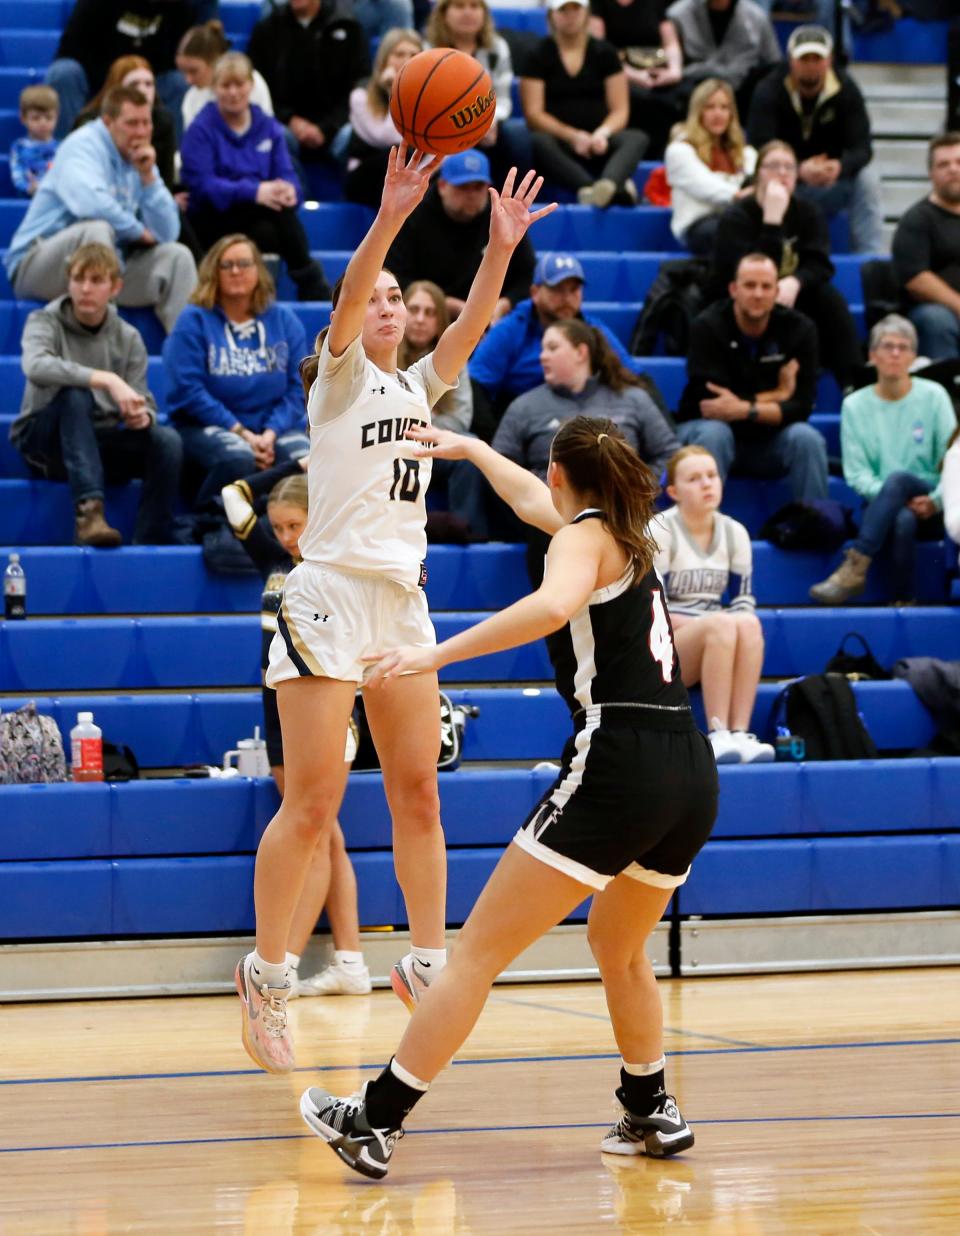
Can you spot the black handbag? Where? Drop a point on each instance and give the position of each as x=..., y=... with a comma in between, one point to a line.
x=851, y=665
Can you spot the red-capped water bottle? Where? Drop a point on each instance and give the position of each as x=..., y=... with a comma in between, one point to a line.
x=86, y=749
x=14, y=589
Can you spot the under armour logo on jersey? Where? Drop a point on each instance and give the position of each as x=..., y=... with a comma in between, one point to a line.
x=320, y=617
x=378, y=390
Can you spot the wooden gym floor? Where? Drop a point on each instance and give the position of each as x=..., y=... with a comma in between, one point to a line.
x=823, y=1104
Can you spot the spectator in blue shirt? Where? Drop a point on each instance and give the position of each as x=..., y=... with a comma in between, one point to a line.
x=230, y=365
x=236, y=166
x=104, y=188
x=507, y=362
x=31, y=156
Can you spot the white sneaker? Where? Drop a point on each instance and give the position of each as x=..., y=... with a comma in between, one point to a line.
x=752, y=750
x=726, y=749
x=337, y=980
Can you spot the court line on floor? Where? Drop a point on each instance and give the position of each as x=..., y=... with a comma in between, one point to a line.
x=481, y=1060
x=501, y=1128
x=553, y=1008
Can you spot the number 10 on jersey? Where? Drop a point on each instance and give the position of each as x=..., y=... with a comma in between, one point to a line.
x=406, y=480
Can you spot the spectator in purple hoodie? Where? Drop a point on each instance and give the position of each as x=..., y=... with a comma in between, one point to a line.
x=237, y=168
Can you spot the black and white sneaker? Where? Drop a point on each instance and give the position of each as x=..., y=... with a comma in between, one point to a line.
x=663, y=1132
x=343, y=1125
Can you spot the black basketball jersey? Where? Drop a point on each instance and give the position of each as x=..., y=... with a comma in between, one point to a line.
x=618, y=649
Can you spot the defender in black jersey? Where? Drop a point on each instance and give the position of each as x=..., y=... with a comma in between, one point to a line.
x=635, y=799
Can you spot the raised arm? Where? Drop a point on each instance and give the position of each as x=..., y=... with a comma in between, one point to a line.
x=525, y=493
x=403, y=188
x=511, y=214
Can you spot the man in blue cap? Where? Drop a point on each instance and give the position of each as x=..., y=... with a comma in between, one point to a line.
x=444, y=239
x=506, y=362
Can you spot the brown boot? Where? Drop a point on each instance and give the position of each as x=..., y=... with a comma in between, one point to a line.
x=847, y=581
x=91, y=528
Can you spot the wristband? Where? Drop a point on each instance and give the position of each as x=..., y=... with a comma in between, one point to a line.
x=753, y=413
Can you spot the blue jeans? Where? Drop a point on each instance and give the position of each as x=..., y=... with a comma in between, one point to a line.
x=860, y=195
x=888, y=518
x=225, y=457
x=61, y=442
x=938, y=331
x=797, y=451
x=69, y=79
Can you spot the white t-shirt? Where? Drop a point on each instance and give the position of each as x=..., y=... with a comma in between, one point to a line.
x=696, y=579
x=197, y=98
x=367, y=489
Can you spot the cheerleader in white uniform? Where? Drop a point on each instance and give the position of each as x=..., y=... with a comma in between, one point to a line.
x=359, y=589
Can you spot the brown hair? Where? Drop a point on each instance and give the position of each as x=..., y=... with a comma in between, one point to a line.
x=310, y=364
x=39, y=99
x=692, y=130
x=114, y=100
x=114, y=79
x=207, y=290
x=598, y=460
x=100, y=259
x=770, y=147
x=950, y=138
x=233, y=65
x=207, y=42
x=677, y=458
x=604, y=362
x=407, y=354
x=378, y=96
x=438, y=32
x=292, y=489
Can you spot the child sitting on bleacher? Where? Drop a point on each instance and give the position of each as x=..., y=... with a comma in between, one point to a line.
x=30, y=156
x=331, y=879
x=702, y=555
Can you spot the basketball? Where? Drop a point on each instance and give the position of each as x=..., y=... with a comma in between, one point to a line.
x=442, y=101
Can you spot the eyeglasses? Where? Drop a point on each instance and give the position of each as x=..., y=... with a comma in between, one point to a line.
x=238, y=264
x=891, y=345
x=779, y=167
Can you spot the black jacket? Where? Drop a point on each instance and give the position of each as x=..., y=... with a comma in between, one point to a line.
x=431, y=245
x=799, y=246
x=719, y=353
x=311, y=71
x=837, y=126
x=100, y=31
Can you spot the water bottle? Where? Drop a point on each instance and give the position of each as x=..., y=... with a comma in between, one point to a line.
x=15, y=589
x=86, y=749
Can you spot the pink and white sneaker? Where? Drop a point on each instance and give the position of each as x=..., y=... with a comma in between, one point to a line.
x=407, y=983
x=266, y=1035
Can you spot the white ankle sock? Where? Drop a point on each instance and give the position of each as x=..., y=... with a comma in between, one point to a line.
x=429, y=961
x=644, y=1070
x=268, y=973
x=407, y=1078
x=348, y=959
x=293, y=960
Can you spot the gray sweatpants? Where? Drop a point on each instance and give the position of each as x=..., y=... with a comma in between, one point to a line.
x=162, y=277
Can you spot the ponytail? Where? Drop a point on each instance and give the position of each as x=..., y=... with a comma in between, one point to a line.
x=604, y=362
x=310, y=364
x=598, y=460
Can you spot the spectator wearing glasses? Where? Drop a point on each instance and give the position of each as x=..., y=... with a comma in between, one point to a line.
x=893, y=437
x=233, y=389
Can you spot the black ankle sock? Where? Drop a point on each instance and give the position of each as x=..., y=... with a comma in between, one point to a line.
x=641, y=1095
x=389, y=1100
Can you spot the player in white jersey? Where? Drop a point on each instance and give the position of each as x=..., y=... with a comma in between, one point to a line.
x=359, y=589
x=702, y=556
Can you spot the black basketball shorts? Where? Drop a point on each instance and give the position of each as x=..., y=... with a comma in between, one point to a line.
x=629, y=800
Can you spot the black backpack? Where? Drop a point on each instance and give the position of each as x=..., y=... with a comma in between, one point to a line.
x=675, y=298
x=822, y=710
x=453, y=722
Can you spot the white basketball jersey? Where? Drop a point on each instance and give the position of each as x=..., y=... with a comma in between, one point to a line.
x=696, y=579
x=367, y=489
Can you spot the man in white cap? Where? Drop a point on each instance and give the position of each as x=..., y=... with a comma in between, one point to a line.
x=820, y=112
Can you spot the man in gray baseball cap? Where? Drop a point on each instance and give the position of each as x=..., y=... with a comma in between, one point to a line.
x=819, y=111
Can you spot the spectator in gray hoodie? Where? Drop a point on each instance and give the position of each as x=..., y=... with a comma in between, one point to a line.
x=87, y=415
x=584, y=377
x=732, y=39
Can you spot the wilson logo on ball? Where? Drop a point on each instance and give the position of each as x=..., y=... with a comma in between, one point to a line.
x=468, y=115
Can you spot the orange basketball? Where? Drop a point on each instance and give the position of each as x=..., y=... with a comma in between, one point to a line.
x=443, y=101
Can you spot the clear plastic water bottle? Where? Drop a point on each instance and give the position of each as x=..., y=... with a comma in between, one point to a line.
x=86, y=749
x=14, y=589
